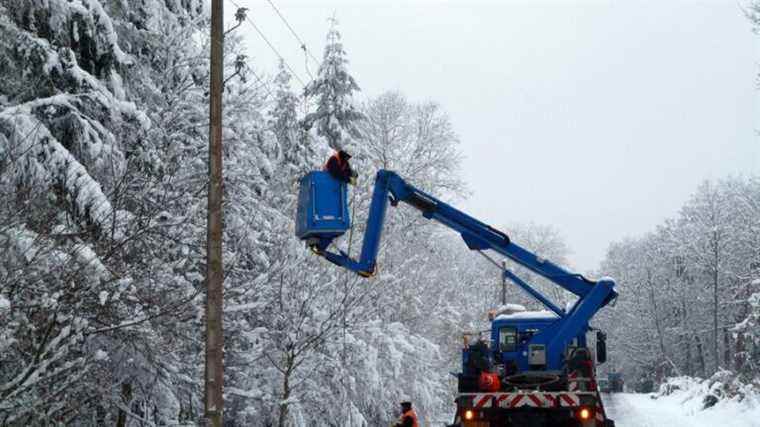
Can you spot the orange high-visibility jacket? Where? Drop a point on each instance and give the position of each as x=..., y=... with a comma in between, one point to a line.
x=407, y=416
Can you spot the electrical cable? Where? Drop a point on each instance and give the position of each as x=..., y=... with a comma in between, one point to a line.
x=271, y=46
x=303, y=45
x=259, y=80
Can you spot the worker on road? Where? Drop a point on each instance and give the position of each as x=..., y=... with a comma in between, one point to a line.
x=339, y=168
x=408, y=417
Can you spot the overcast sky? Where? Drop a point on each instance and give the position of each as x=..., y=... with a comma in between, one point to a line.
x=597, y=117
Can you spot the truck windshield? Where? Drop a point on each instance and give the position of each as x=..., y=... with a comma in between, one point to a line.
x=507, y=339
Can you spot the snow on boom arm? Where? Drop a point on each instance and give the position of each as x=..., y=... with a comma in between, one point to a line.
x=323, y=216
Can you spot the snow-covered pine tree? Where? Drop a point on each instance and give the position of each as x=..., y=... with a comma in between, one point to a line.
x=336, y=117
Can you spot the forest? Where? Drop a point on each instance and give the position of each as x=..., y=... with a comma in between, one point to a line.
x=103, y=179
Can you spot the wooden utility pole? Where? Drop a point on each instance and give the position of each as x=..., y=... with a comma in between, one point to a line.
x=214, y=372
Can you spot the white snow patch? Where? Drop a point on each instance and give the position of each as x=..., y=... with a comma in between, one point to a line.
x=510, y=307
x=103, y=297
x=104, y=21
x=540, y=314
x=505, y=309
x=253, y=394
x=101, y=355
x=94, y=268
x=642, y=410
x=42, y=159
x=5, y=305
x=243, y=307
x=683, y=405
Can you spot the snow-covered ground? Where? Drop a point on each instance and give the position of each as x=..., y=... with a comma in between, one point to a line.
x=641, y=410
x=679, y=409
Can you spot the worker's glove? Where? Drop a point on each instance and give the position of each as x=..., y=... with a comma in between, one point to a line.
x=352, y=180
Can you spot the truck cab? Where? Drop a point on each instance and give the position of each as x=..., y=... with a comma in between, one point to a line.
x=512, y=352
x=512, y=333
x=505, y=380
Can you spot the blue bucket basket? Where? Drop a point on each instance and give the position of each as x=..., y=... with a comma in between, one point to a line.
x=322, y=207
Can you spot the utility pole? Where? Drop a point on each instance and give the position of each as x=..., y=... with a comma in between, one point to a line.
x=503, y=283
x=214, y=369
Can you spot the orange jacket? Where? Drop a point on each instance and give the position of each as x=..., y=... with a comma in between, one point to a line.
x=339, y=168
x=408, y=419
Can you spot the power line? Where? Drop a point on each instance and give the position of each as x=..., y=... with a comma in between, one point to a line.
x=303, y=45
x=271, y=46
x=279, y=56
x=249, y=85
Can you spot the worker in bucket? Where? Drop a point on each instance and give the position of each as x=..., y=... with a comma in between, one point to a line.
x=408, y=418
x=337, y=165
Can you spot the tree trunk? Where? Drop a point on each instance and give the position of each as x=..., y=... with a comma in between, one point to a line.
x=284, y=405
x=715, y=321
x=700, y=356
x=739, y=353
x=726, y=349
x=126, y=397
x=687, y=347
x=715, y=268
x=657, y=323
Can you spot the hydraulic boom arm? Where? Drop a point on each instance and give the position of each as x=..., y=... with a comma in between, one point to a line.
x=389, y=187
x=477, y=235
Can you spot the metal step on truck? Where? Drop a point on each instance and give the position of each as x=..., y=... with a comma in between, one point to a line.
x=534, y=369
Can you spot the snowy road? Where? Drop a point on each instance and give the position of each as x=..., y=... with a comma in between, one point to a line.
x=639, y=410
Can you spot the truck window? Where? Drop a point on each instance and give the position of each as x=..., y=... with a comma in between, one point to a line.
x=507, y=339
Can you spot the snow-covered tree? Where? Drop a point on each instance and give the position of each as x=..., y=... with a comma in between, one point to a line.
x=103, y=137
x=336, y=117
x=106, y=245
x=687, y=288
x=297, y=151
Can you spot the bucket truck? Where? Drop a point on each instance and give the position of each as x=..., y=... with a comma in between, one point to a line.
x=535, y=368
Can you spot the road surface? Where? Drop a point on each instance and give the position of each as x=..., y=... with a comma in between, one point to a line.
x=640, y=410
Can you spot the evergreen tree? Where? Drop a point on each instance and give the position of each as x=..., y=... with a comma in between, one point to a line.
x=336, y=118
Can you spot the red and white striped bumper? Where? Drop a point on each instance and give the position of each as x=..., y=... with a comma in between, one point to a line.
x=537, y=399
x=534, y=399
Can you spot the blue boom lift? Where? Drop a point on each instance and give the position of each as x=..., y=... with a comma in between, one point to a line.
x=537, y=369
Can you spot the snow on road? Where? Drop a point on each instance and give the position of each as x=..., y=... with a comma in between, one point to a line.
x=640, y=410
